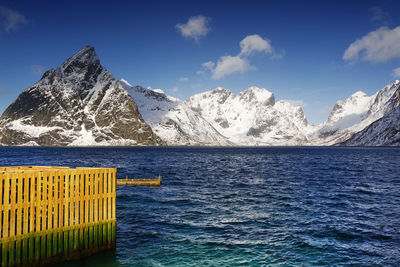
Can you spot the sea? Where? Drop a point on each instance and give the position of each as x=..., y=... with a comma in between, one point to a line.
x=245, y=206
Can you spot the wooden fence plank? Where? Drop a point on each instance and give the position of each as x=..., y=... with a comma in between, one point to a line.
x=11, y=254
x=38, y=207
x=19, y=207
x=51, y=212
x=26, y=218
x=6, y=210
x=44, y=216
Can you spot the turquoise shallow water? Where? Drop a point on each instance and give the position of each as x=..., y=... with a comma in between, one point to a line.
x=246, y=206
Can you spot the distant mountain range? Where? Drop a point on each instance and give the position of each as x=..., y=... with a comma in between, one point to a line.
x=81, y=104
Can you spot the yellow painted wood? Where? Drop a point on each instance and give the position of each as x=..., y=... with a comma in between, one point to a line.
x=19, y=182
x=95, y=198
x=12, y=204
x=70, y=198
x=82, y=177
x=100, y=188
x=1, y=204
x=61, y=200
x=86, y=196
x=5, y=228
x=49, y=200
x=48, y=212
x=145, y=182
x=19, y=206
x=109, y=195
x=56, y=202
x=26, y=205
x=104, y=195
x=32, y=208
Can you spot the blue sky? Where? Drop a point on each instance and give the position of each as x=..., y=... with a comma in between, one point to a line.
x=304, y=51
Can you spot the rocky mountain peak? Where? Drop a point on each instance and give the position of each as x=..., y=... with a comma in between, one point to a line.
x=358, y=94
x=83, y=66
x=78, y=103
x=357, y=104
x=256, y=94
x=86, y=56
x=220, y=91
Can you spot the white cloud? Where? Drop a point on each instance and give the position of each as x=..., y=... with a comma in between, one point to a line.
x=396, y=73
x=298, y=103
x=37, y=69
x=200, y=72
x=377, y=46
x=183, y=79
x=255, y=43
x=278, y=55
x=228, y=65
x=378, y=15
x=175, y=89
x=208, y=65
x=196, y=27
x=11, y=20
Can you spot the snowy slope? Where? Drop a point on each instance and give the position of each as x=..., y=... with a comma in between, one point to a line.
x=384, y=131
x=173, y=120
x=354, y=114
x=218, y=117
x=153, y=104
x=79, y=103
x=251, y=117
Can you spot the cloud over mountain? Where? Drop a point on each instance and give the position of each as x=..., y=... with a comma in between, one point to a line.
x=227, y=65
x=380, y=45
x=11, y=20
x=195, y=28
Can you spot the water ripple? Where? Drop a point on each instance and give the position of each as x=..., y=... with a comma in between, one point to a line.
x=247, y=206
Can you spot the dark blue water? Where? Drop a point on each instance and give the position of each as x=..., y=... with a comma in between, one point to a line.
x=246, y=206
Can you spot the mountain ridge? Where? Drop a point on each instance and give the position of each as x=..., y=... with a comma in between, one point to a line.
x=77, y=103
x=80, y=103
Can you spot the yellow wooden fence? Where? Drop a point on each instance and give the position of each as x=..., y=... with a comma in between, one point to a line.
x=49, y=213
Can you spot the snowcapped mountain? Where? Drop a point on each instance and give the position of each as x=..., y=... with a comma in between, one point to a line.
x=251, y=117
x=355, y=114
x=386, y=130
x=80, y=104
x=173, y=120
x=218, y=117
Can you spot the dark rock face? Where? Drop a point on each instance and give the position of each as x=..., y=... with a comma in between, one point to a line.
x=79, y=103
x=384, y=131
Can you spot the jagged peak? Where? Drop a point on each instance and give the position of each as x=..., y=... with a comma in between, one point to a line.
x=218, y=94
x=359, y=94
x=125, y=82
x=293, y=104
x=256, y=88
x=352, y=98
x=220, y=89
x=86, y=55
x=258, y=94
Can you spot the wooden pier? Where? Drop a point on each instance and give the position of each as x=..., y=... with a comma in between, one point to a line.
x=146, y=182
x=55, y=213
